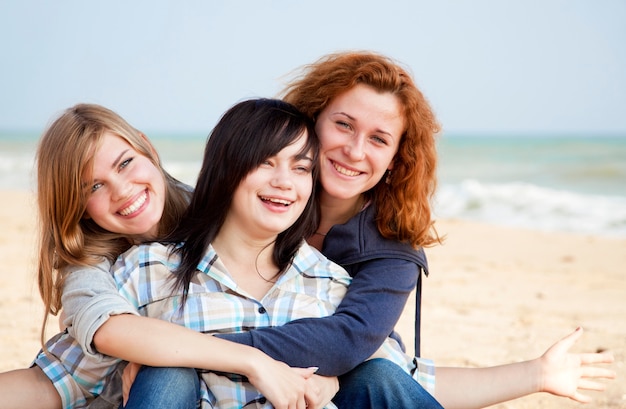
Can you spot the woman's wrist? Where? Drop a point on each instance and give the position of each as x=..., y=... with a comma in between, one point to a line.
x=252, y=362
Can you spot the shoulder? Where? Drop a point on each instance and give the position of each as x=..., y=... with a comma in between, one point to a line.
x=143, y=274
x=309, y=261
x=359, y=240
x=149, y=256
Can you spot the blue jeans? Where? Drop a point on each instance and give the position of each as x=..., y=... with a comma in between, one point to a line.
x=378, y=384
x=165, y=388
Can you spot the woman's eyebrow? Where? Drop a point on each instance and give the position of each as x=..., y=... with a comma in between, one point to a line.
x=303, y=156
x=350, y=117
x=118, y=159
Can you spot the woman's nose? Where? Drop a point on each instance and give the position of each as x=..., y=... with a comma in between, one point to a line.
x=282, y=179
x=354, y=148
x=119, y=189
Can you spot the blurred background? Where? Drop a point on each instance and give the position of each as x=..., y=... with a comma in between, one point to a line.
x=531, y=94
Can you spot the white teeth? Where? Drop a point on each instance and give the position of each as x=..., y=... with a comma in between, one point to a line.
x=135, y=206
x=278, y=201
x=345, y=171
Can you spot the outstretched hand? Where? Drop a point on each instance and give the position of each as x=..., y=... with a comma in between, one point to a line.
x=565, y=373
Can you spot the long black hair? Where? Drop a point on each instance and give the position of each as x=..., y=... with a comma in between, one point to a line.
x=248, y=133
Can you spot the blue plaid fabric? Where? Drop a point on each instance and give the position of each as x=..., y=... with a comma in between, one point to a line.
x=312, y=287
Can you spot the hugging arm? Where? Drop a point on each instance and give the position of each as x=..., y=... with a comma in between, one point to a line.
x=365, y=318
x=90, y=298
x=106, y=325
x=33, y=387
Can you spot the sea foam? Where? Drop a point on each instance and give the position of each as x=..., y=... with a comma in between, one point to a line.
x=530, y=206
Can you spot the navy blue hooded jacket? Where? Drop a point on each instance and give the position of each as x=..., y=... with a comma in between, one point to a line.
x=384, y=274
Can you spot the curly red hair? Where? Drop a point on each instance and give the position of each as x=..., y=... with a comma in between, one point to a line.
x=403, y=202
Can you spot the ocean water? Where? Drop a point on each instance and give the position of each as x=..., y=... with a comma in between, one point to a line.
x=558, y=183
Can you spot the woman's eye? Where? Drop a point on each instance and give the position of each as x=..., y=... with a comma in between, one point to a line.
x=343, y=124
x=379, y=140
x=126, y=163
x=95, y=187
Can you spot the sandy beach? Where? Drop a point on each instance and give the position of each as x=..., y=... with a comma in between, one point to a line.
x=494, y=295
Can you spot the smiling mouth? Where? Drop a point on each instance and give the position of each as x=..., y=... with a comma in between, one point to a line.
x=135, y=206
x=276, y=201
x=344, y=171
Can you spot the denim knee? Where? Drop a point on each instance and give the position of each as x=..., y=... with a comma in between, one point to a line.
x=164, y=387
x=380, y=383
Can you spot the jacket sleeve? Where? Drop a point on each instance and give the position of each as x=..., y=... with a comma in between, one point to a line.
x=364, y=319
x=89, y=298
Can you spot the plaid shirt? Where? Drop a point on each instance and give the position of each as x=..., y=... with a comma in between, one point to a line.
x=312, y=287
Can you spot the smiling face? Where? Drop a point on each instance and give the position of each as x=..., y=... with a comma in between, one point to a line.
x=272, y=197
x=359, y=131
x=126, y=191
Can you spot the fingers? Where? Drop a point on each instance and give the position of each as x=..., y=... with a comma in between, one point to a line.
x=125, y=391
x=571, y=338
x=590, y=372
x=579, y=397
x=590, y=385
x=599, y=358
x=302, y=403
x=306, y=373
x=595, y=372
x=312, y=395
x=564, y=344
x=128, y=377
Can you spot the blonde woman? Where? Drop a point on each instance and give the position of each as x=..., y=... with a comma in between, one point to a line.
x=101, y=189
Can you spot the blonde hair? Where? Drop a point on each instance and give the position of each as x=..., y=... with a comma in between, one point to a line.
x=64, y=155
x=403, y=200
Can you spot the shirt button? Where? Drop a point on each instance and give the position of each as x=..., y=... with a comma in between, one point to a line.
x=262, y=310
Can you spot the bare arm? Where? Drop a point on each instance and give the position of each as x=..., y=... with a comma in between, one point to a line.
x=154, y=342
x=104, y=324
x=90, y=297
x=557, y=371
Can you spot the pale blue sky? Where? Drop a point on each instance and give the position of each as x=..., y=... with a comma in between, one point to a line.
x=497, y=66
